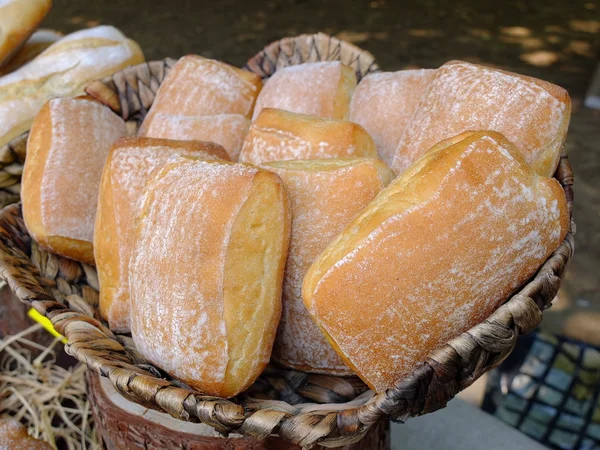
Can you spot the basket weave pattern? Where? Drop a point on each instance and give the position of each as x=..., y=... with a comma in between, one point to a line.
x=304, y=409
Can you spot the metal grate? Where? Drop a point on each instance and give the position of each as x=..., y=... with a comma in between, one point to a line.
x=549, y=389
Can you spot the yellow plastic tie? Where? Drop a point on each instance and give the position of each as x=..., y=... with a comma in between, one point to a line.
x=45, y=322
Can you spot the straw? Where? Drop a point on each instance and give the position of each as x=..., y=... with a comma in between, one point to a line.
x=49, y=400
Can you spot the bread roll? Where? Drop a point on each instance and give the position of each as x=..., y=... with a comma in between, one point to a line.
x=228, y=130
x=325, y=195
x=127, y=167
x=18, y=20
x=197, y=86
x=206, y=272
x=321, y=89
x=434, y=254
x=67, y=147
x=278, y=135
x=62, y=70
x=14, y=436
x=36, y=44
x=533, y=114
x=383, y=103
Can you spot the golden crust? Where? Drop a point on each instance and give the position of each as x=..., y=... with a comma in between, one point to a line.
x=127, y=167
x=18, y=20
x=325, y=195
x=434, y=254
x=278, y=135
x=322, y=89
x=533, y=114
x=198, y=86
x=58, y=207
x=192, y=289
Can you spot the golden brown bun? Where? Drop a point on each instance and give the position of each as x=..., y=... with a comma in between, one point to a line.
x=13, y=436
x=533, y=114
x=322, y=89
x=325, y=195
x=67, y=147
x=198, y=86
x=278, y=135
x=62, y=70
x=36, y=44
x=127, y=168
x=206, y=272
x=384, y=102
x=18, y=20
x=434, y=254
x=228, y=130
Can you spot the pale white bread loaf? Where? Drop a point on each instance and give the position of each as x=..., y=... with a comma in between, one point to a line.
x=434, y=254
x=278, y=135
x=206, y=272
x=228, y=130
x=383, y=104
x=36, y=44
x=62, y=70
x=18, y=20
x=533, y=114
x=325, y=195
x=67, y=147
x=321, y=89
x=129, y=163
x=198, y=86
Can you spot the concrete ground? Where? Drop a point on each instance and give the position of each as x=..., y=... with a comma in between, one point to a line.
x=555, y=40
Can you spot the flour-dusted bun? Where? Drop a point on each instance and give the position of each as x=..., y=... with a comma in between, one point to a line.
x=206, y=272
x=127, y=168
x=198, y=86
x=67, y=147
x=278, y=135
x=384, y=102
x=18, y=20
x=325, y=195
x=533, y=114
x=321, y=89
x=36, y=44
x=228, y=130
x=62, y=70
x=434, y=254
x=14, y=436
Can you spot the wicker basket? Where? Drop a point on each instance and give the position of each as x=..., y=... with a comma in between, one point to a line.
x=302, y=408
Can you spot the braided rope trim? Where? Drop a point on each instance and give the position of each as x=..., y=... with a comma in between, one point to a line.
x=12, y=157
x=306, y=48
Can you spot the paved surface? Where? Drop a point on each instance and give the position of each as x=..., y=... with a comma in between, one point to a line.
x=554, y=40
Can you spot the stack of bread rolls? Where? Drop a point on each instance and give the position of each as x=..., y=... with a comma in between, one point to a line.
x=335, y=228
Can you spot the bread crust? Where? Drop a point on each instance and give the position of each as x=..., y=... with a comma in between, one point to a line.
x=198, y=86
x=192, y=292
x=62, y=70
x=322, y=89
x=434, y=254
x=278, y=135
x=18, y=20
x=228, y=130
x=325, y=195
x=533, y=114
x=128, y=166
x=66, y=150
x=384, y=102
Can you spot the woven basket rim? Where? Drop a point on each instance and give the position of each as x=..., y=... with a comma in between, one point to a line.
x=448, y=369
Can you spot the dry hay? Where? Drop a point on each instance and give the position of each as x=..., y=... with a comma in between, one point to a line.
x=50, y=400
